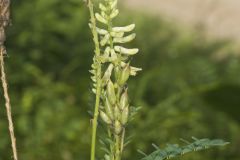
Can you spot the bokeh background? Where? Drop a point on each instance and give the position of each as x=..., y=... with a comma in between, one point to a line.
x=190, y=84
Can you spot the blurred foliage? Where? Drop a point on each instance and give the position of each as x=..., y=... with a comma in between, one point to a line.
x=186, y=89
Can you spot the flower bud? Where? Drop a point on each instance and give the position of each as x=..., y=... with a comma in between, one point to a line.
x=105, y=118
x=102, y=7
x=117, y=72
x=105, y=39
x=94, y=79
x=113, y=4
x=111, y=92
x=128, y=28
x=124, y=75
x=94, y=90
x=103, y=14
x=107, y=74
x=117, y=127
x=117, y=113
x=108, y=109
x=106, y=157
x=101, y=31
x=94, y=66
x=124, y=100
x=126, y=51
x=117, y=34
x=92, y=71
x=100, y=18
x=114, y=13
x=107, y=51
x=113, y=55
x=124, y=39
x=125, y=114
x=134, y=70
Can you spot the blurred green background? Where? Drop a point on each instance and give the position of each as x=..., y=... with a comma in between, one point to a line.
x=187, y=87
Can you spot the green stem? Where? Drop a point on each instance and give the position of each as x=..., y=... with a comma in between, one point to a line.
x=118, y=147
x=118, y=139
x=122, y=140
x=111, y=145
x=99, y=72
x=95, y=119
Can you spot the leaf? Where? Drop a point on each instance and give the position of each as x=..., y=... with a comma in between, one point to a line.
x=141, y=152
x=173, y=150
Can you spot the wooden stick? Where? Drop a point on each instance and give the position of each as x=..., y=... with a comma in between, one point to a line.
x=4, y=22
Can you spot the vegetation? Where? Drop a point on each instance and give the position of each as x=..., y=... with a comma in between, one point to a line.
x=110, y=87
x=195, y=91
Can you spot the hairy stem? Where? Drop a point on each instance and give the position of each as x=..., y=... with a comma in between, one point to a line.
x=118, y=147
x=95, y=119
x=111, y=145
x=99, y=72
x=122, y=140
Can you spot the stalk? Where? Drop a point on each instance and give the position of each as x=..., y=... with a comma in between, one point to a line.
x=111, y=88
x=95, y=118
x=4, y=22
x=117, y=148
x=98, y=73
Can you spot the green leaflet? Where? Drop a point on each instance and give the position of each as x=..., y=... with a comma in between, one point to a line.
x=174, y=150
